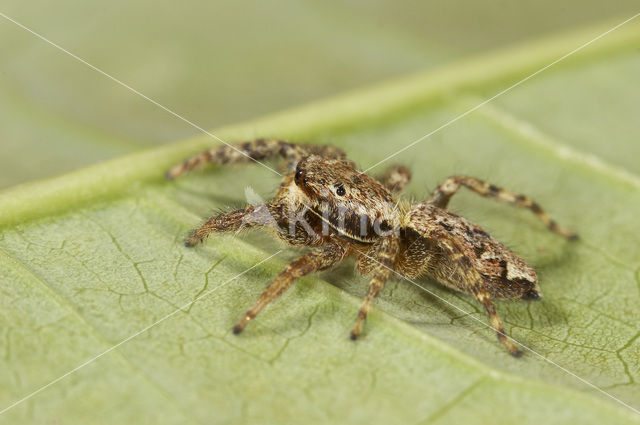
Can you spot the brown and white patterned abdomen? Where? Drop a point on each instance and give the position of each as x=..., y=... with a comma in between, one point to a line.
x=460, y=254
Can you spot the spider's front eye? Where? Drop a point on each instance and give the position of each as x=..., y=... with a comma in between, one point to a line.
x=340, y=190
x=299, y=177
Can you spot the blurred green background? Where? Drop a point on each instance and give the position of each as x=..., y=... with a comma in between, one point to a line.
x=217, y=62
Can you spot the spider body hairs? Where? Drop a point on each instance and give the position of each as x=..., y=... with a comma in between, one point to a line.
x=325, y=203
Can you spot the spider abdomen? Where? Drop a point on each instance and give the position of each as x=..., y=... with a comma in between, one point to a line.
x=461, y=255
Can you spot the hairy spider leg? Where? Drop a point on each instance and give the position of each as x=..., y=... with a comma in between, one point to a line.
x=450, y=186
x=318, y=259
x=485, y=299
x=384, y=254
x=396, y=178
x=266, y=215
x=254, y=150
x=464, y=271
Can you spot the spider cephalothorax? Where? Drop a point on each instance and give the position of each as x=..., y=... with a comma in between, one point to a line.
x=324, y=202
x=356, y=206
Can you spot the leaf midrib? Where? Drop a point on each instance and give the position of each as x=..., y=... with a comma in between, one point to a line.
x=530, y=134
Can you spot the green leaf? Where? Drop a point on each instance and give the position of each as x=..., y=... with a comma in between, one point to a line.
x=220, y=62
x=90, y=259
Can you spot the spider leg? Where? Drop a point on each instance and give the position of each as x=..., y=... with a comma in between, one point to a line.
x=452, y=262
x=253, y=215
x=254, y=150
x=450, y=186
x=384, y=256
x=485, y=299
x=396, y=178
x=318, y=259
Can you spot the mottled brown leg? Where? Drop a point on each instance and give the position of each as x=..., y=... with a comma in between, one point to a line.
x=326, y=151
x=253, y=215
x=318, y=259
x=396, y=178
x=454, y=268
x=383, y=257
x=249, y=151
x=496, y=323
x=450, y=186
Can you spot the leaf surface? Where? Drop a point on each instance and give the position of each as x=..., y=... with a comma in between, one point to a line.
x=90, y=259
x=216, y=62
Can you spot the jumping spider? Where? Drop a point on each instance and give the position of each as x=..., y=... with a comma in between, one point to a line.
x=324, y=202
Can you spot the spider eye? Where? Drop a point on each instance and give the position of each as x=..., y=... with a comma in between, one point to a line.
x=299, y=177
x=340, y=190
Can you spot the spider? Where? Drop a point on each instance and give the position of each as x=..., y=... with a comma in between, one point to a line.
x=324, y=202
